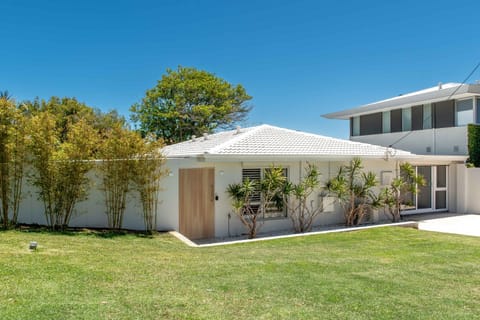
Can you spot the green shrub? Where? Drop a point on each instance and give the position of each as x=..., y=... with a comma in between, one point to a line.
x=474, y=144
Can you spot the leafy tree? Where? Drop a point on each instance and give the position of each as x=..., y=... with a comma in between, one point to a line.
x=119, y=145
x=187, y=102
x=406, y=183
x=12, y=157
x=65, y=111
x=354, y=190
x=5, y=95
x=301, y=211
x=62, y=157
x=147, y=171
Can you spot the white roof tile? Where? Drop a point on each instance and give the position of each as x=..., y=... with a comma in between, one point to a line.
x=266, y=140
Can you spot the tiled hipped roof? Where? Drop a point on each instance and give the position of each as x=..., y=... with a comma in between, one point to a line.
x=266, y=140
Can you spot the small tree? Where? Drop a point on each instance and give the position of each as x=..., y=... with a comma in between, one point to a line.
x=19, y=151
x=147, y=171
x=241, y=195
x=61, y=157
x=269, y=190
x=12, y=158
x=302, y=212
x=407, y=182
x=119, y=146
x=7, y=113
x=354, y=190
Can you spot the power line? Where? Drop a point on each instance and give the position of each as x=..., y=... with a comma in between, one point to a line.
x=451, y=95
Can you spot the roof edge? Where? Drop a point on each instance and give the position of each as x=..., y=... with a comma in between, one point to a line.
x=409, y=99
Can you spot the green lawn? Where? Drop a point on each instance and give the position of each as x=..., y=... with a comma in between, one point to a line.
x=382, y=273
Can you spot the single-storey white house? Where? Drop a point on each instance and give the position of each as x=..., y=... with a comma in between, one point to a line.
x=196, y=204
x=194, y=200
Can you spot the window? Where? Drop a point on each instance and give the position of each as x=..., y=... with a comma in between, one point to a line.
x=424, y=195
x=272, y=210
x=427, y=116
x=417, y=118
x=464, y=112
x=441, y=176
x=396, y=120
x=371, y=124
x=355, y=126
x=441, y=188
x=386, y=122
x=406, y=119
x=444, y=114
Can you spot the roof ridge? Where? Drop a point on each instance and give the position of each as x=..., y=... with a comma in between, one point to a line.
x=239, y=136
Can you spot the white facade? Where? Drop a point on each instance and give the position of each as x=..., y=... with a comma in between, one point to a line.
x=231, y=172
x=430, y=122
x=447, y=141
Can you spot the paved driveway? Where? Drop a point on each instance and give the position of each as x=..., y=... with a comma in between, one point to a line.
x=466, y=224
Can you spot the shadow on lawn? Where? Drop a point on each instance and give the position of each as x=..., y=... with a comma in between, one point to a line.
x=70, y=231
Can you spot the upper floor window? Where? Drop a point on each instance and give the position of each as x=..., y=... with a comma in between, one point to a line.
x=417, y=118
x=371, y=124
x=386, y=122
x=444, y=114
x=355, y=126
x=427, y=116
x=464, y=112
x=396, y=120
x=406, y=119
x=441, y=114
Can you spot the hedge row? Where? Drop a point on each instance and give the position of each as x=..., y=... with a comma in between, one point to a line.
x=474, y=144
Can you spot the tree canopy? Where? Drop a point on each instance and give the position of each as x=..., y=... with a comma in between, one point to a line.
x=187, y=102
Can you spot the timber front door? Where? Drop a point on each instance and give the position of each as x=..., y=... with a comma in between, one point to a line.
x=197, y=206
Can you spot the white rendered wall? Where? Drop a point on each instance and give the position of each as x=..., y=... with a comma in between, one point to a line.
x=228, y=173
x=91, y=213
x=468, y=181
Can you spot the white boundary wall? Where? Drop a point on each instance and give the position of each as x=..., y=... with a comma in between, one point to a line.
x=91, y=213
x=468, y=189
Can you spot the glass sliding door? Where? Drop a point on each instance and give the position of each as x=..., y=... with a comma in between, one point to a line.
x=424, y=195
x=433, y=196
x=441, y=187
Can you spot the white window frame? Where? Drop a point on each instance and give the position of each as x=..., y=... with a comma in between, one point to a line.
x=433, y=190
x=472, y=111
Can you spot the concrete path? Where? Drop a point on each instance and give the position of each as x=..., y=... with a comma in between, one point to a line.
x=465, y=224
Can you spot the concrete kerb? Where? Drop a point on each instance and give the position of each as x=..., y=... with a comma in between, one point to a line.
x=190, y=243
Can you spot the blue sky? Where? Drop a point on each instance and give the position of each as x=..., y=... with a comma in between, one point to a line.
x=298, y=59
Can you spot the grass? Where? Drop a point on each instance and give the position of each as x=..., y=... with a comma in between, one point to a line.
x=382, y=273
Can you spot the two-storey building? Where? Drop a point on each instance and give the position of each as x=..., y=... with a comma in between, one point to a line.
x=431, y=121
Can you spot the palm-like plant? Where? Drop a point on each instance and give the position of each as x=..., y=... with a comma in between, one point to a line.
x=353, y=188
x=407, y=182
x=302, y=212
x=241, y=194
